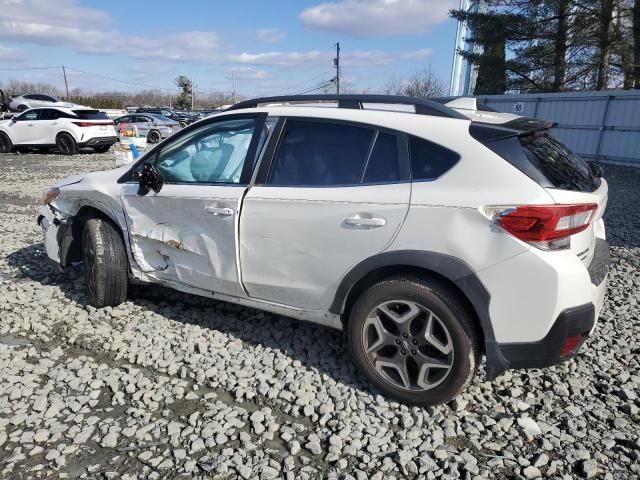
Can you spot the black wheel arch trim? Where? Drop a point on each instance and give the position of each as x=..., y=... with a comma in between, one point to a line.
x=69, y=233
x=451, y=268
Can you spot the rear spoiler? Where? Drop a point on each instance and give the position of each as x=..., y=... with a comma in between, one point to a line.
x=520, y=127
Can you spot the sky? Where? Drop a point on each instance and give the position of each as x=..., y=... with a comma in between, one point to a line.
x=254, y=47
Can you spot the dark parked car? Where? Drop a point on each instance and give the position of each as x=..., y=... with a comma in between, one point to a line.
x=182, y=119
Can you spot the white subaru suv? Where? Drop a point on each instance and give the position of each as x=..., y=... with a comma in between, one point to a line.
x=67, y=129
x=429, y=239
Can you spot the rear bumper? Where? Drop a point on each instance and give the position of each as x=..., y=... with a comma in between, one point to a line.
x=571, y=323
x=547, y=300
x=99, y=141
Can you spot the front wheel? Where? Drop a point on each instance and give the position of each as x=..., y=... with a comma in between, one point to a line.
x=414, y=340
x=66, y=144
x=105, y=263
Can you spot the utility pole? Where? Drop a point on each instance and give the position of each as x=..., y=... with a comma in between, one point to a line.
x=336, y=63
x=233, y=87
x=193, y=93
x=66, y=85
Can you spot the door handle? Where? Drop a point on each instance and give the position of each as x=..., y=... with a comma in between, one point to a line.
x=364, y=221
x=222, y=211
x=29, y=124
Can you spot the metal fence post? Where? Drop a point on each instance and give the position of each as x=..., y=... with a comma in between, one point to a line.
x=603, y=126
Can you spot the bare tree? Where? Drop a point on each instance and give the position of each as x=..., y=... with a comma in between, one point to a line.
x=422, y=84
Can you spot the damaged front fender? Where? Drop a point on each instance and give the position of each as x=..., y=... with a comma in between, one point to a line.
x=57, y=228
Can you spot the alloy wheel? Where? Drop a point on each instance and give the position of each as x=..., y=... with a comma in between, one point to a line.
x=408, y=345
x=65, y=144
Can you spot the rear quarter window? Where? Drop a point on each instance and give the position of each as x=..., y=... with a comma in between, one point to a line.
x=430, y=160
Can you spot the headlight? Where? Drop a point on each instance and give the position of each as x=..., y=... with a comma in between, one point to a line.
x=50, y=195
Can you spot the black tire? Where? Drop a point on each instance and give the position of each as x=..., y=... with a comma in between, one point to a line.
x=105, y=263
x=101, y=148
x=66, y=144
x=22, y=108
x=154, y=137
x=5, y=143
x=183, y=124
x=450, y=313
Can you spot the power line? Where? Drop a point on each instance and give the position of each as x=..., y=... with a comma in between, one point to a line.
x=26, y=68
x=317, y=87
x=311, y=80
x=297, y=64
x=122, y=81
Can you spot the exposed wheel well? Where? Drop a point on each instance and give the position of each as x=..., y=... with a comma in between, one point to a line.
x=411, y=272
x=74, y=253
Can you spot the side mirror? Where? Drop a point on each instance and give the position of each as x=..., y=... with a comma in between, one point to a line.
x=14, y=119
x=149, y=179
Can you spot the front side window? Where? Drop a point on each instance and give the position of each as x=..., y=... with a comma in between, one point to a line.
x=323, y=154
x=29, y=115
x=213, y=153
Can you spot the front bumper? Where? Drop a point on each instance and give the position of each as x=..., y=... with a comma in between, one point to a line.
x=57, y=231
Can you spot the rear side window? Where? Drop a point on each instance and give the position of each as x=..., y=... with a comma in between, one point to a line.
x=50, y=114
x=91, y=115
x=320, y=154
x=546, y=161
x=430, y=160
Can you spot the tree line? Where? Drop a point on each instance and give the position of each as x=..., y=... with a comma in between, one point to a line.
x=118, y=99
x=554, y=45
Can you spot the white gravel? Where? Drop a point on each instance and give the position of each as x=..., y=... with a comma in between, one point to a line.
x=170, y=385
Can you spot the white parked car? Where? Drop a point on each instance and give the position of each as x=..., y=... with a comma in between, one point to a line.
x=429, y=239
x=20, y=103
x=65, y=128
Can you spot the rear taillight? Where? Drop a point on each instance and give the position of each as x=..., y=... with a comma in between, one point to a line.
x=91, y=124
x=547, y=227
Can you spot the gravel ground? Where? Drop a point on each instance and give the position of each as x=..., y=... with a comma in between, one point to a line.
x=170, y=385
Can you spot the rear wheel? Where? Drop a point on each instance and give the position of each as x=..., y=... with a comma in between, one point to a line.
x=105, y=263
x=153, y=136
x=101, y=148
x=5, y=143
x=66, y=144
x=22, y=108
x=414, y=340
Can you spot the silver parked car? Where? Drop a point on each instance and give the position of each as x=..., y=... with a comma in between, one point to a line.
x=20, y=103
x=155, y=127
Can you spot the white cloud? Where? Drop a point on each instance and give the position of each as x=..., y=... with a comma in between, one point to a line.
x=316, y=58
x=12, y=55
x=378, y=57
x=247, y=73
x=60, y=13
x=70, y=25
x=281, y=59
x=375, y=18
x=269, y=35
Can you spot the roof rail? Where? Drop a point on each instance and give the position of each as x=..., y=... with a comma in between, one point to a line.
x=422, y=106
